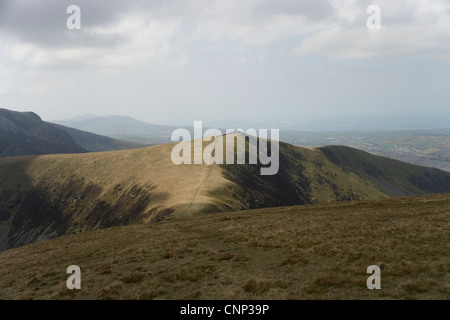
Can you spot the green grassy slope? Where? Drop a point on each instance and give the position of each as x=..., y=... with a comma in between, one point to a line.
x=298, y=252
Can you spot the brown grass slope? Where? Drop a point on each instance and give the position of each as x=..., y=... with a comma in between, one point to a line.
x=53, y=195
x=298, y=252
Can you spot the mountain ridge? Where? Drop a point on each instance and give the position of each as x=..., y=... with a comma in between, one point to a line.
x=48, y=196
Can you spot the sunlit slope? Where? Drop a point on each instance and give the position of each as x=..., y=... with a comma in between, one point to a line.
x=47, y=196
x=298, y=252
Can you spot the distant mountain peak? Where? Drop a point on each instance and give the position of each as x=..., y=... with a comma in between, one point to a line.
x=123, y=127
x=85, y=116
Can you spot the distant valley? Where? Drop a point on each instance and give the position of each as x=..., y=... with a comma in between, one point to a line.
x=429, y=148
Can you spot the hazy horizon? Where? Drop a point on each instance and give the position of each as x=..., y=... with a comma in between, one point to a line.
x=274, y=63
x=380, y=123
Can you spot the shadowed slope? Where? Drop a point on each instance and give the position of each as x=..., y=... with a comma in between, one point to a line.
x=23, y=133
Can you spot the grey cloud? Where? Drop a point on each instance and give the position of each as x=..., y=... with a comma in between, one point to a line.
x=313, y=10
x=184, y=24
x=44, y=22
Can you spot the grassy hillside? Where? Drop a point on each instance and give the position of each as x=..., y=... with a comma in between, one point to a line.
x=305, y=176
x=328, y=174
x=391, y=176
x=298, y=252
x=49, y=196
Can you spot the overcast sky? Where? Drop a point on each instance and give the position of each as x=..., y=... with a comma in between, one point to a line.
x=176, y=61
